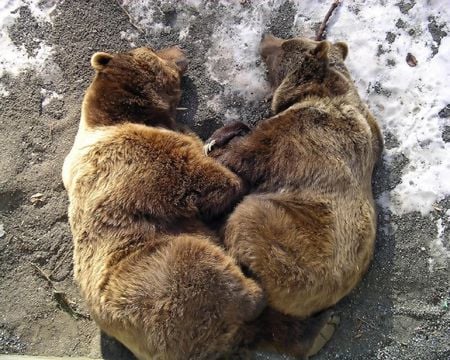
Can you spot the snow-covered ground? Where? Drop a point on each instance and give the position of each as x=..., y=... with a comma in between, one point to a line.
x=14, y=58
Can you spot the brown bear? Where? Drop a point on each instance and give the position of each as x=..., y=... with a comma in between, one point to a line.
x=149, y=269
x=306, y=232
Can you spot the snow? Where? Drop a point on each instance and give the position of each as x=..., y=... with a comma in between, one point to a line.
x=48, y=96
x=440, y=255
x=14, y=59
x=411, y=97
x=130, y=36
x=232, y=58
x=3, y=91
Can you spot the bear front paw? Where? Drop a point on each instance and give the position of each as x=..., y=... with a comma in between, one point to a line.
x=225, y=134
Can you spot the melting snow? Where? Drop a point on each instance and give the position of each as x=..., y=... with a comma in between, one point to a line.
x=48, y=96
x=130, y=36
x=3, y=91
x=440, y=254
x=13, y=59
x=406, y=99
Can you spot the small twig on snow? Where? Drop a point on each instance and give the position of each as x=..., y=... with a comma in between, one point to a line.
x=321, y=33
x=130, y=19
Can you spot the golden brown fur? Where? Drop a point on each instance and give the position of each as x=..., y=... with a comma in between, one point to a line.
x=146, y=264
x=307, y=231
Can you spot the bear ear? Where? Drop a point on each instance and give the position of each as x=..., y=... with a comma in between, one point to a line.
x=100, y=59
x=321, y=50
x=343, y=48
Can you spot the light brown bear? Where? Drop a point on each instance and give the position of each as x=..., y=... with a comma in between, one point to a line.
x=306, y=233
x=139, y=192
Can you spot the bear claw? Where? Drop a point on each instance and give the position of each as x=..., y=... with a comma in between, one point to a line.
x=208, y=147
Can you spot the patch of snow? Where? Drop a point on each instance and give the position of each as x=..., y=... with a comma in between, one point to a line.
x=48, y=96
x=14, y=59
x=183, y=34
x=384, y=200
x=3, y=91
x=233, y=57
x=440, y=255
x=231, y=114
x=130, y=36
x=42, y=10
x=411, y=97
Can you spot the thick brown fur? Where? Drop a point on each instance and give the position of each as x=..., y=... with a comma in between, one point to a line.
x=149, y=269
x=306, y=232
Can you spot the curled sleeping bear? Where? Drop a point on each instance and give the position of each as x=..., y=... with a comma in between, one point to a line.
x=140, y=193
x=306, y=232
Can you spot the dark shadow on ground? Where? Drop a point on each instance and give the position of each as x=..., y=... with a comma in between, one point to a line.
x=188, y=103
x=111, y=349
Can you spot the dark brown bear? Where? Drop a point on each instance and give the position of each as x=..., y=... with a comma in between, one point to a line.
x=307, y=231
x=139, y=192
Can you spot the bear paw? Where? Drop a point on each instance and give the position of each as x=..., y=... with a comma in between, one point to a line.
x=324, y=335
x=224, y=135
x=207, y=148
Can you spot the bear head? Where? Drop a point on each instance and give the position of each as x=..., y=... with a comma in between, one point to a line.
x=298, y=67
x=139, y=86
